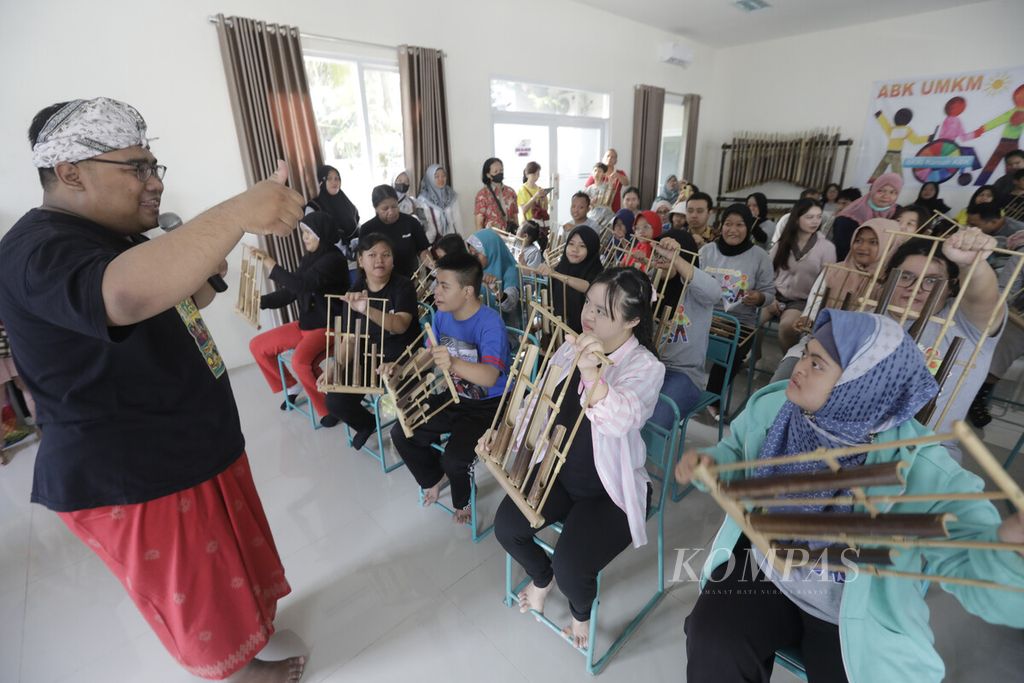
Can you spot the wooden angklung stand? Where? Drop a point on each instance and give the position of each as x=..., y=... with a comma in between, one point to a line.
x=354, y=356
x=250, y=285
x=414, y=380
x=870, y=538
x=527, y=447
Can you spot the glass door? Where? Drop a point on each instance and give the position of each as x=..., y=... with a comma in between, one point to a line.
x=579, y=148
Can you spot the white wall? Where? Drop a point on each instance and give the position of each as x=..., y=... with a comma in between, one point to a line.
x=824, y=79
x=164, y=58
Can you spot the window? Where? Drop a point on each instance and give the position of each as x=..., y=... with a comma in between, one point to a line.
x=358, y=109
x=673, y=138
x=563, y=130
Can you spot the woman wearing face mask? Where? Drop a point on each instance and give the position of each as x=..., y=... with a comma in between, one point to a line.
x=406, y=201
x=376, y=280
x=602, y=492
x=861, y=380
x=499, y=265
x=440, y=204
x=798, y=258
x=333, y=201
x=579, y=265
x=322, y=270
x=496, y=204
x=745, y=274
x=409, y=241
x=879, y=202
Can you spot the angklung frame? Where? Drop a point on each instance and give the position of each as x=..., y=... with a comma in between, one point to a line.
x=869, y=539
x=250, y=285
x=527, y=448
x=878, y=294
x=354, y=356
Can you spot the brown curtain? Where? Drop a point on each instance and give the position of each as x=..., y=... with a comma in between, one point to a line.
x=424, y=110
x=691, y=104
x=648, y=112
x=273, y=115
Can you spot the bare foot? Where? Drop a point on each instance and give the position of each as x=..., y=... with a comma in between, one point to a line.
x=431, y=495
x=532, y=598
x=285, y=671
x=463, y=515
x=578, y=632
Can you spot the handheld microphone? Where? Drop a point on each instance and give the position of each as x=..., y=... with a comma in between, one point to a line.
x=170, y=221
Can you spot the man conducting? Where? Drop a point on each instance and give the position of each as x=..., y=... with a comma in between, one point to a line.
x=142, y=455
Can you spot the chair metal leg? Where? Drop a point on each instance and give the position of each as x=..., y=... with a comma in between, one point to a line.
x=478, y=533
x=380, y=455
x=290, y=404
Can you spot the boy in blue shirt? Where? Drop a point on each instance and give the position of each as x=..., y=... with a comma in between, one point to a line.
x=473, y=346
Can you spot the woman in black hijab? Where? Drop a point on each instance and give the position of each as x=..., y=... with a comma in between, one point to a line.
x=580, y=263
x=322, y=271
x=928, y=197
x=335, y=203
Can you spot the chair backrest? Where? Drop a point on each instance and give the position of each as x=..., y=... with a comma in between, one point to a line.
x=723, y=340
x=662, y=444
x=426, y=313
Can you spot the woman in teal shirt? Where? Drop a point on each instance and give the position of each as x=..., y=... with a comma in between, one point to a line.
x=861, y=380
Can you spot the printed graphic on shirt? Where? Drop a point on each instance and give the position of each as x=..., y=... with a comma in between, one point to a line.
x=931, y=358
x=467, y=352
x=193, y=320
x=677, y=328
x=734, y=284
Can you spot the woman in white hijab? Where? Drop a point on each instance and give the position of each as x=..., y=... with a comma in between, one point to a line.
x=440, y=204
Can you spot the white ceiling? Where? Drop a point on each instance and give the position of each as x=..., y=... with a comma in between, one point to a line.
x=720, y=23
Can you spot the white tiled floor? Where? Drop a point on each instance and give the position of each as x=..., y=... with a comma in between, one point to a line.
x=383, y=590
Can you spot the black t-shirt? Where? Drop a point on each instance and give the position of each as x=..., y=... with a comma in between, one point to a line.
x=674, y=287
x=401, y=295
x=407, y=235
x=579, y=473
x=129, y=413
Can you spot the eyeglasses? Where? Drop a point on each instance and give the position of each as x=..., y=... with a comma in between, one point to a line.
x=143, y=171
x=908, y=280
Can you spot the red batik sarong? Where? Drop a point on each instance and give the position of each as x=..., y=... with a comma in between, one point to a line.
x=199, y=564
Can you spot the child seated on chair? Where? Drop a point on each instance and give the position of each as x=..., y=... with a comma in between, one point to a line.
x=861, y=380
x=602, y=492
x=376, y=279
x=473, y=346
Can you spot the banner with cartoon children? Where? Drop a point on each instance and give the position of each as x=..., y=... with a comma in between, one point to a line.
x=951, y=129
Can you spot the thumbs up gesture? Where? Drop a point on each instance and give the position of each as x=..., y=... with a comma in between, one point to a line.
x=269, y=207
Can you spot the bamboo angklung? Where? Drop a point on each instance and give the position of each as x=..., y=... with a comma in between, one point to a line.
x=353, y=354
x=866, y=539
x=882, y=303
x=527, y=448
x=250, y=285
x=414, y=381
x=423, y=279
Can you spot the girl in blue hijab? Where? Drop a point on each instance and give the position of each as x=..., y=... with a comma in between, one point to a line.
x=861, y=380
x=498, y=264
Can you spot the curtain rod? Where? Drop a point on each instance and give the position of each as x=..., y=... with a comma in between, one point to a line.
x=333, y=39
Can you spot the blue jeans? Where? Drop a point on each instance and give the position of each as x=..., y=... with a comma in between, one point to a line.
x=680, y=389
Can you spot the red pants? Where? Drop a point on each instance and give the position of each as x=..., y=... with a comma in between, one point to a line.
x=199, y=564
x=310, y=349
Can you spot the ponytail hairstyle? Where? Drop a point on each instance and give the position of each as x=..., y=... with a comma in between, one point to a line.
x=787, y=241
x=630, y=292
x=532, y=230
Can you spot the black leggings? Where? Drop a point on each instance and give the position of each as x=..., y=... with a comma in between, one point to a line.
x=594, y=531
x=737, y=625
x=466, y=421
x=349, y=408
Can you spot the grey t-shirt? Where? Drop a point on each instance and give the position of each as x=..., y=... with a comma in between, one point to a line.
x=738, y=275
x=685, y=347
x=816, y=592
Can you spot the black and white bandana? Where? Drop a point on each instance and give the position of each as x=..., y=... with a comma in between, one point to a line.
x=82, y=129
